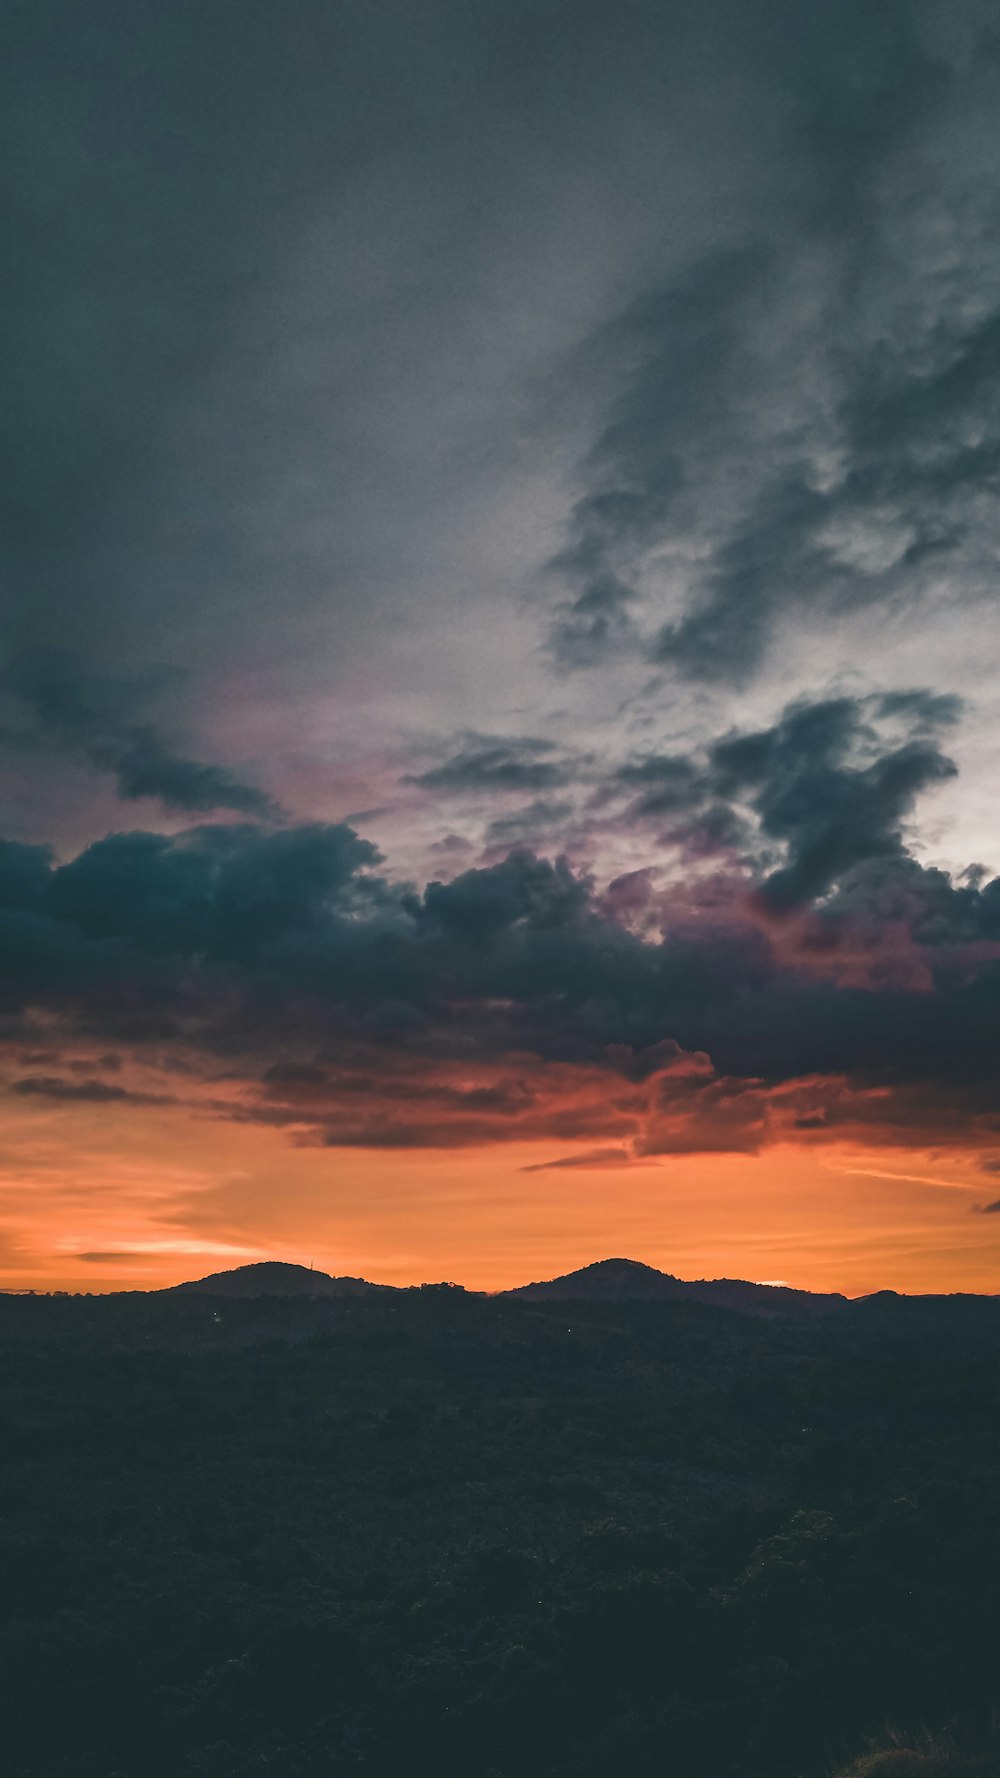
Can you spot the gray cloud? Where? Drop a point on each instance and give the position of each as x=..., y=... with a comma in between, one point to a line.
x=806, y=424
x=486, y=763
x=680, y=346
x=276, y=296
x=526, y=824
x=600, y=1158
x=667, y=783
x=83, y=1092
x=833, y=801
x=802, y=803
x=94, y=718
x=106, y=1258
x=310, y=372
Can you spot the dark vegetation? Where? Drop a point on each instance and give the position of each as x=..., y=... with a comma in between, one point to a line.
x=429, y=1532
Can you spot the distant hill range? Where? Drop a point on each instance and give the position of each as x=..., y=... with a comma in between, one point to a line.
x=628, y=1281
x=607, y=1281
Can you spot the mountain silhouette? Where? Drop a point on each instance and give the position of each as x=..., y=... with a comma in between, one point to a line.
x=605, y=1281
x=274, y=1277
x=628, y=1280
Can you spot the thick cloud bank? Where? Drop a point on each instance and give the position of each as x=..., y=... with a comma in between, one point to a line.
x=817, y=983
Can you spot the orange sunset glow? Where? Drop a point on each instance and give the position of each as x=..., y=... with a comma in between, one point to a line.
x=840, y=1217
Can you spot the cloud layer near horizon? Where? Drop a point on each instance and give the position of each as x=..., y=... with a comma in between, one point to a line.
x=819, y=983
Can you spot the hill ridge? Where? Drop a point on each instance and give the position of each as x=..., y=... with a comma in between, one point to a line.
x=621, y=1279
x=275, y=1277
x=614, y=1279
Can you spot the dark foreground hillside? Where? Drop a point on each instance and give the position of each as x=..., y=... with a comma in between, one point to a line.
x=496, y=1538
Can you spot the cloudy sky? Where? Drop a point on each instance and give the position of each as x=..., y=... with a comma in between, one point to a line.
x=499, y=640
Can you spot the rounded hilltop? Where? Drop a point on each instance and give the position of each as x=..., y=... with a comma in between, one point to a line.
x=608, y=1280
x=274, y=1277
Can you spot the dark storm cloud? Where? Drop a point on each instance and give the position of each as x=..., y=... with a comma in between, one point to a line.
x=94, y=717
x=804, y=780
x=144, y=767
x=290, y=963
x=216, y=892
x=825, y=789
x=923, y=711
x=523, y=889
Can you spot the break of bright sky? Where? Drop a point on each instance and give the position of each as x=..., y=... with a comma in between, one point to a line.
x=499, y=641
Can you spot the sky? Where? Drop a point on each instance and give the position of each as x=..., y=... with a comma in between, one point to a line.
x=498, y=640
